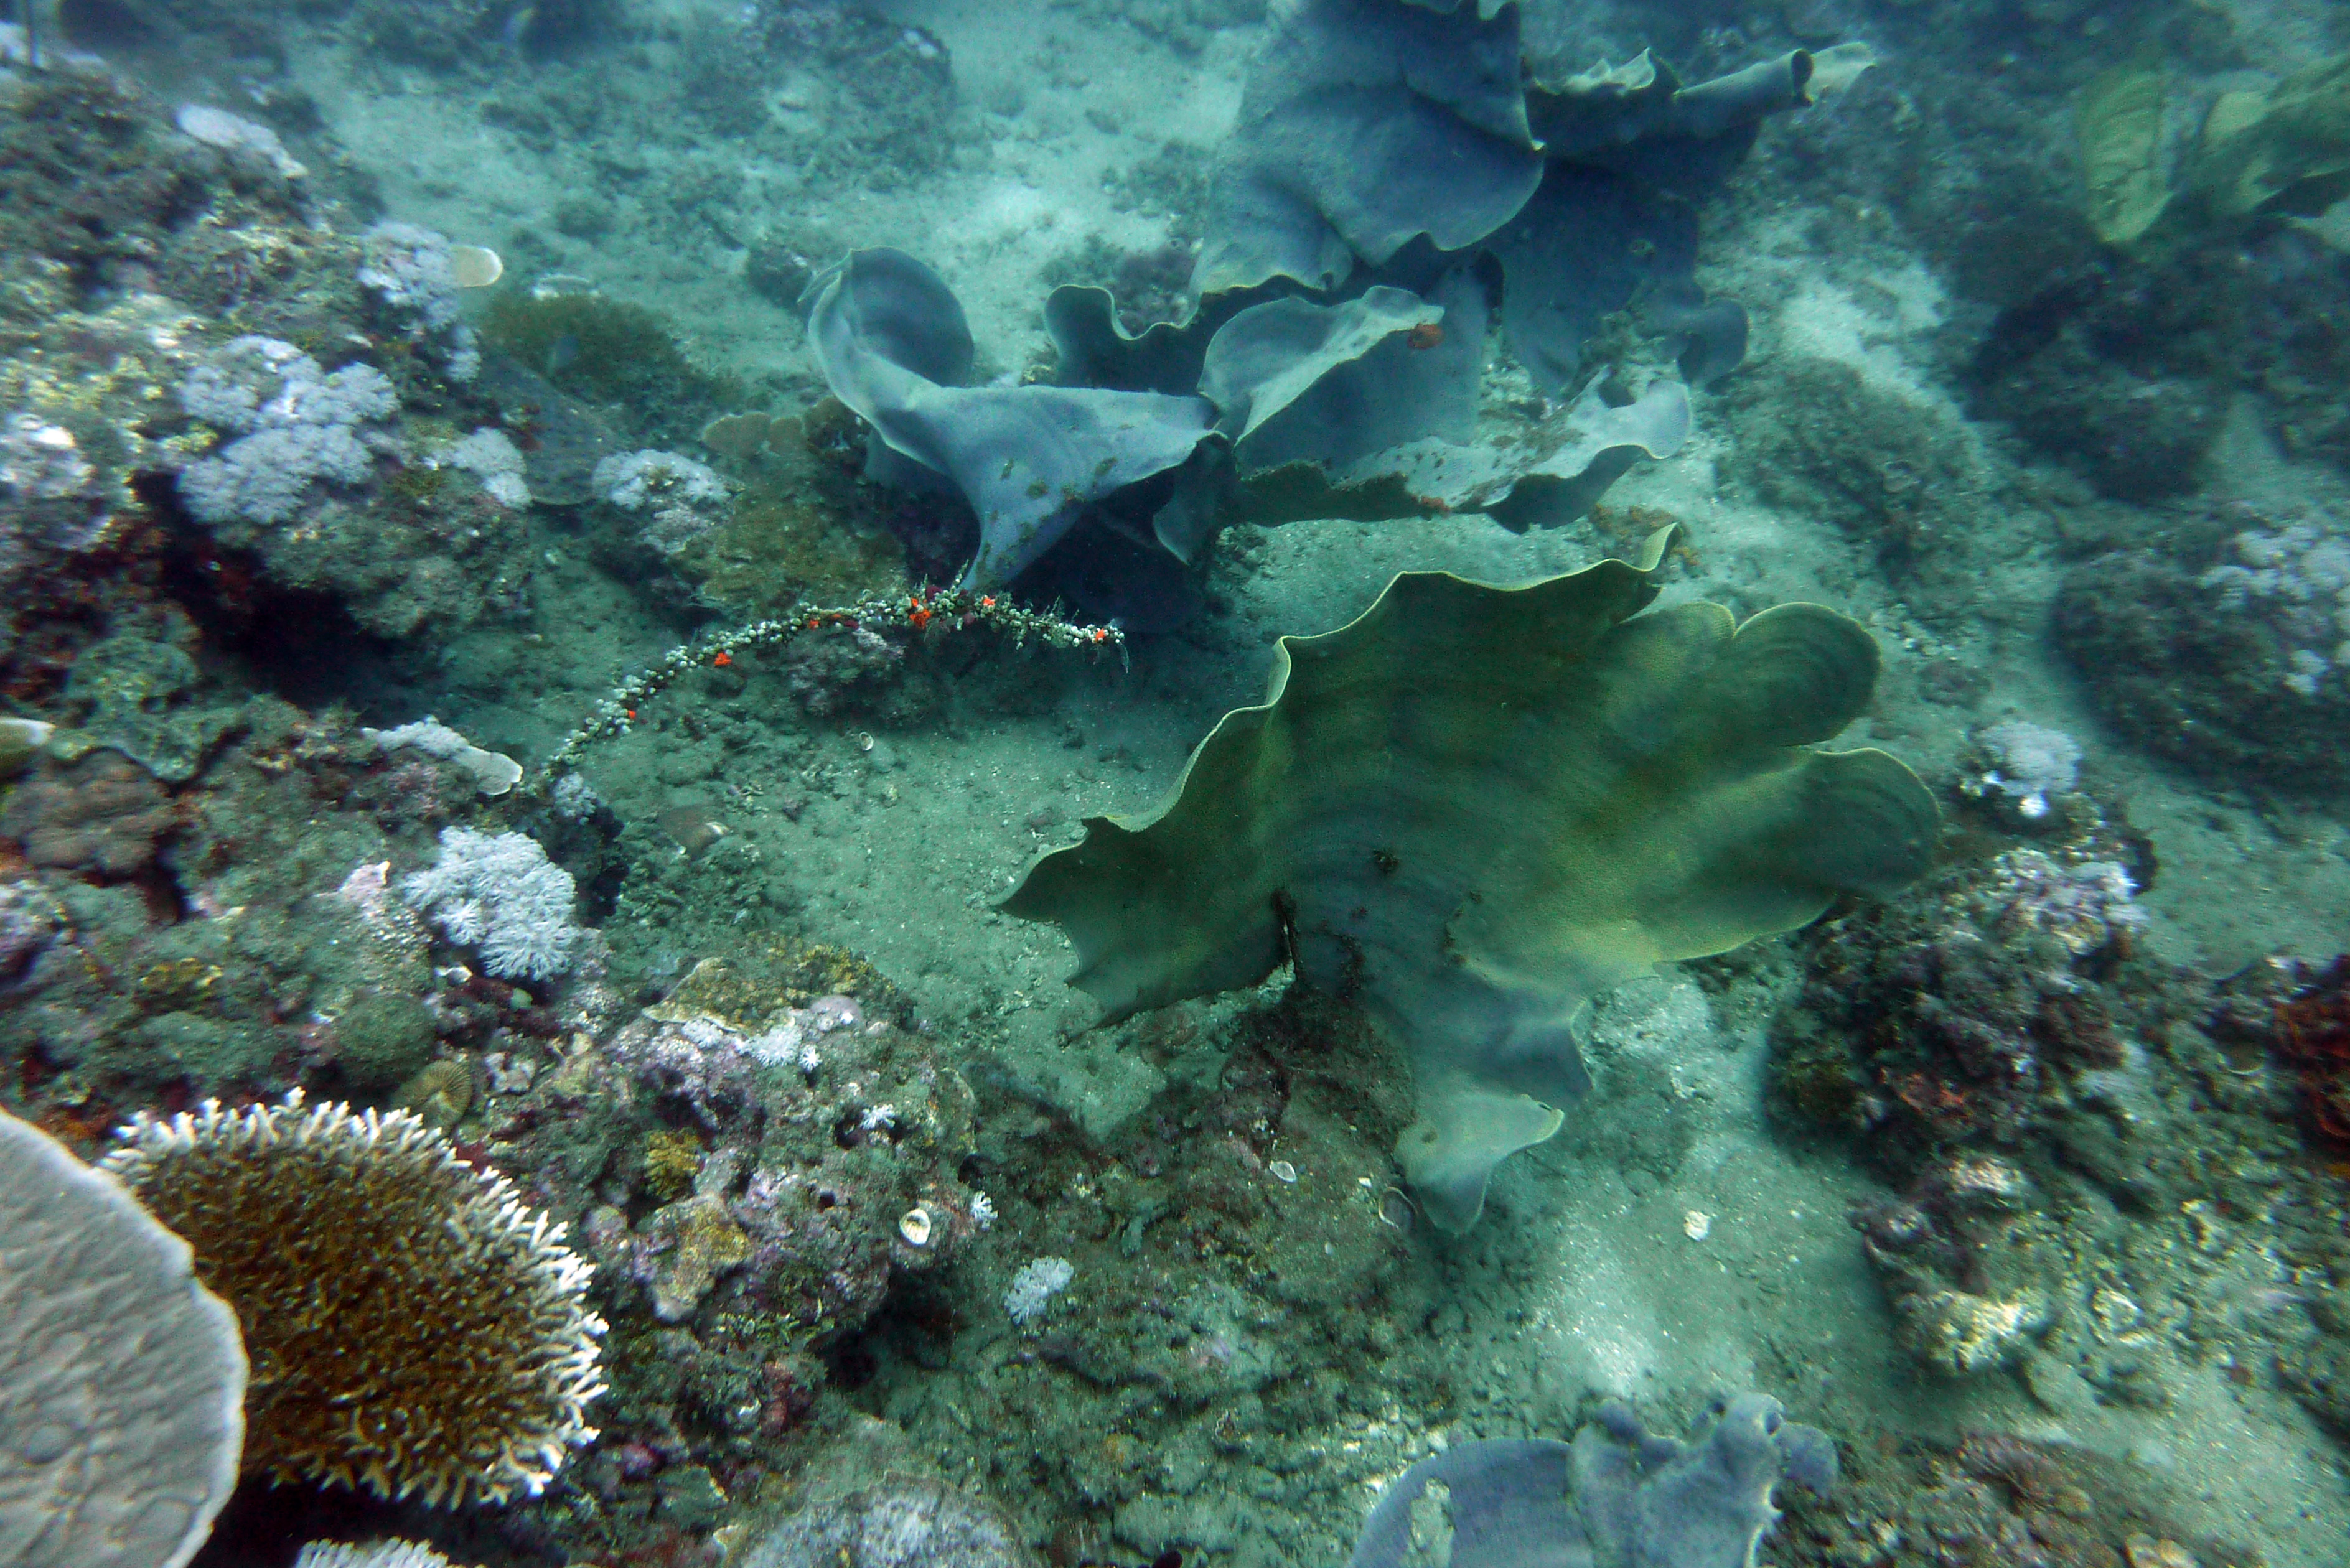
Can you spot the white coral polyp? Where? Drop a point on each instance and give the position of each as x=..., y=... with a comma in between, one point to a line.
x=499, y=892
x=1037, y=1282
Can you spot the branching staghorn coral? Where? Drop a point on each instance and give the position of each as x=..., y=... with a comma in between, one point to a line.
x=374, y=1554
x=414, y=1328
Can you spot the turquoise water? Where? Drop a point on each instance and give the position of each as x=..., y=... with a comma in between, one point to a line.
x=585, y=576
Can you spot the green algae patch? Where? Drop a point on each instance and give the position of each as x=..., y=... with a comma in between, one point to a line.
x=1476, y=807
x=605, y=349
x=800, y=532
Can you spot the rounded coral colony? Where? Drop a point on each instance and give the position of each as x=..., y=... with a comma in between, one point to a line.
x=414, y=1330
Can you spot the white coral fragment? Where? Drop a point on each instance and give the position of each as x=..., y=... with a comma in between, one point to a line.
x=1036, y=1284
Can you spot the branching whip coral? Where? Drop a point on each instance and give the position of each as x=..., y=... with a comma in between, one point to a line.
x=926, y=612
x=414, y=1328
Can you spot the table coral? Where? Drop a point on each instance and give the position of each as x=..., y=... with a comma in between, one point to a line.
x=125, y=1378
x=457, y=1361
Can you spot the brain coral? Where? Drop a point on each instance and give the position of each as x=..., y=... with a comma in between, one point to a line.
x=413, y=1329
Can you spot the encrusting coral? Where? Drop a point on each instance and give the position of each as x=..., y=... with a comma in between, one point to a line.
x=414, y=1328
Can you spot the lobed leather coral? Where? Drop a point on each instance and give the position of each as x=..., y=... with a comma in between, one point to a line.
x=1474, y=808
x=414, y=1328
x=1398, y=178
x=1617, y=1494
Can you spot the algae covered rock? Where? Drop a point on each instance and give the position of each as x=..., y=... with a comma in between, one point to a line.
x=2123, y=368
x=902, y=1522
x=1957, y=1016
x=1972, y=1273
x=1474, y=808
x=1891, y=471
x=824, y=1158
x=2229, y=664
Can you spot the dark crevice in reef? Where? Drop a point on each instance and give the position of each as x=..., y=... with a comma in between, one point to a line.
x=302, y=645
x=915, y=1327
x=265, y=1526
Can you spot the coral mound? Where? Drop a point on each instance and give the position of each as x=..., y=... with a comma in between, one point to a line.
x=904, y=1523
x=414, y=1328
